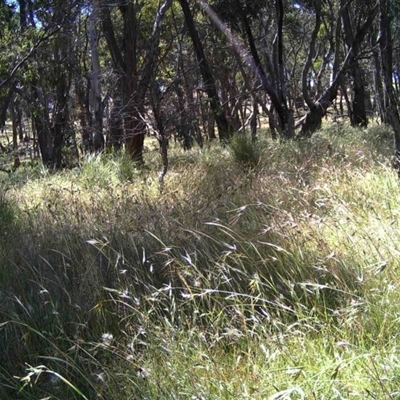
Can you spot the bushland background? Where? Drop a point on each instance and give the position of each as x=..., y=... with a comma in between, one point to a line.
x=199, y=200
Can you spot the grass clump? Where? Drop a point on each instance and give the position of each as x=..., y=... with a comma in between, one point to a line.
x=245, y=150
x=234, y=282
x=8, y=215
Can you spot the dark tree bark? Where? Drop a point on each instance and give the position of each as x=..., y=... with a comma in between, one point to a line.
x=380, y=98
x=257, y=102
x=277, y=95
x=254, y=120
x=41, y=123
x=358, y=114
x=386, y=52
x=156, y=98
x=310, y=56
x=115, y=134
x=5, y=99
x=134, y=83
x=82, y=98
x=115, y=137
x=63, y=72
x=134, y=126
x=22, y=14
x=15, y=126
x=224, y=129
x=318, y=109
x=97, y=104
x=64, y=66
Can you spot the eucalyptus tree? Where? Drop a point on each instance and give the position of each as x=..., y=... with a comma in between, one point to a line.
x=386, y=54
x=8, y=62
x=394, y=16
x=224, y=127
x=190, y=111
x=134, y=59
x=342, y=59
x=51, y=79
x=38, y=69
x=266, y=62
x=96, y=92
x=351, y=19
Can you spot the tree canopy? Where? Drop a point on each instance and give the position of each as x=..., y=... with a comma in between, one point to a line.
x=84, y=75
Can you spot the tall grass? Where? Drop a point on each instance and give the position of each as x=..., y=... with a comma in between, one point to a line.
x=274, y=279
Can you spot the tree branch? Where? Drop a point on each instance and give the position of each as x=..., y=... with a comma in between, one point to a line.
x=27, y=56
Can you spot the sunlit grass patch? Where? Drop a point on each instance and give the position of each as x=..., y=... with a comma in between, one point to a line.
x=269, y=282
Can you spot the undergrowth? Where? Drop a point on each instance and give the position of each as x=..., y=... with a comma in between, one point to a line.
x=262, y=270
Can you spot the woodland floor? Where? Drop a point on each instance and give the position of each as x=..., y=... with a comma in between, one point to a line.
x=257, y=271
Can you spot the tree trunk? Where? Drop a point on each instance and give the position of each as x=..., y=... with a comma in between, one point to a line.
x=386, y=50
x=357, y=111
x=115, y=135
x=135, y=147
x=277, y=95
x=313, y=119
x=82, y=98
x=40, y=117
x=14, y=118
x=97, y=106
x=358, y=106
x=310, y=58
x=253, y=121
x=349, y=105
x=136, y=89
x=5, y=102
x=60, y=119
x=224, y=129
x=63, y=58
x=134, y=136
x=257, y=101
x=380, y=98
